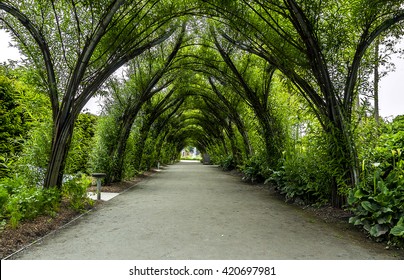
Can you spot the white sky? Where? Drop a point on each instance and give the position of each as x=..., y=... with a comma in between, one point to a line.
x=391, y=86
x=7, y=52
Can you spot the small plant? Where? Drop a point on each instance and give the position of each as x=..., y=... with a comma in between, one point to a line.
x=19, y=201
x=27, y=203
x=227, y=163
x=255, y=169
x=75, y=190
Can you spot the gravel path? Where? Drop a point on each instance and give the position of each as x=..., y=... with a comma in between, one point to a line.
x=193, y=211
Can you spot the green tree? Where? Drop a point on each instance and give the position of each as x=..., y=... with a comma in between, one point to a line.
x=153, y=109
x=76, y=46
x=147, y=75
x=319, y=46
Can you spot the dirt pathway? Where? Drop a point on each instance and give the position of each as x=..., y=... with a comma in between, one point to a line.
x=192, y=211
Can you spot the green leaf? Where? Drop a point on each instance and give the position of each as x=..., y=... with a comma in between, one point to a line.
x=378, y=230
x=359, y=194
x=384, y=220
x=398, y=230
x=369, y=206
x=386, y=210
x=351, y=198
x=355, y=220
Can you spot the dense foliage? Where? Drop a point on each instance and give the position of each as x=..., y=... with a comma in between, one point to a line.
x=15, y=119
x=378, y=201
x=27, y=147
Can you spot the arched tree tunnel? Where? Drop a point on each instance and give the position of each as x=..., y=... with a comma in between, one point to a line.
x=244, y=81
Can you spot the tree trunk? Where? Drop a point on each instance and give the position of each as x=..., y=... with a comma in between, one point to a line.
x=337, y=200
x=159, y=145
x=144, y=132
x=343, y=158
x=376, y=83
x=235, y=150
x=61, y=140
x=272, y=139
x=246, y=141
x=117, y=152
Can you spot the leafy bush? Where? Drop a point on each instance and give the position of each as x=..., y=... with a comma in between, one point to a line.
x=13, y=185
x=256, y=169
x=23, y=106
x=14, y=122
x=20, y=202
x=129, y=171
x=34, y=158
x=305, y=173
x=226, y=162
x=24, y=205
x=29, y=203
x=378, y=206
x=75, y=190
x=148, y=155
x=378, y=201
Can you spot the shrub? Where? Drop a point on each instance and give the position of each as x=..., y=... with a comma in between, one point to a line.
x=75, y=190
x=305, y=175
x=129, y=171
x=378, y=201
x=13, y=185
x=15, y=122
x=226, y=162
x=29, y=203
x=379, y=208
x=256, y=169
x=34, y=158
x=21, y=202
